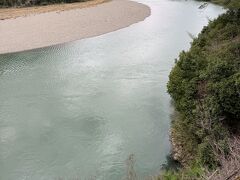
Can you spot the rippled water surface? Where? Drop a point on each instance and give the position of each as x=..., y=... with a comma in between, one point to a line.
x=80, y=109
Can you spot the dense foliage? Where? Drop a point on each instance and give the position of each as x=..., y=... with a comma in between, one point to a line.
x=205, y=87
x=22, y=3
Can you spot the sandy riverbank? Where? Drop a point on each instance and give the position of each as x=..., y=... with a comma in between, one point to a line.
x=50, y=28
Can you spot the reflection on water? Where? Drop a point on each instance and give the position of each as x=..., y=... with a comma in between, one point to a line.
x=80, y=109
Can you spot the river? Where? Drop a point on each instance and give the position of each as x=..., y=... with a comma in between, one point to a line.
x=78, y=110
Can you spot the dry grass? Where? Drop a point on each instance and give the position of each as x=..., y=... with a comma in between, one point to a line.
x=7, y=13
x=230, y=164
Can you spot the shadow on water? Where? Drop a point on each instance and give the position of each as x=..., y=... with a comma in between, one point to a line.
x=131, y=173
x=170, y=164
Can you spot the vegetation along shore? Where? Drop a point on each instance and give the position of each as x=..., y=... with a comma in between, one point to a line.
x=29, y=3
x=205, y=87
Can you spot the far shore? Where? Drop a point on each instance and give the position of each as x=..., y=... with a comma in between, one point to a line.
x=38, y=27
x=8, y=13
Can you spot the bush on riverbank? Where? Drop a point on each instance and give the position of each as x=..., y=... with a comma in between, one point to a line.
x=205, y=86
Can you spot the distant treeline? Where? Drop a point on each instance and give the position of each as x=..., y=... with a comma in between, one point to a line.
x=23, y=3
x=230, y=4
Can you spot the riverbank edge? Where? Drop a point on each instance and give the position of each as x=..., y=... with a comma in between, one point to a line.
x=178, y=152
